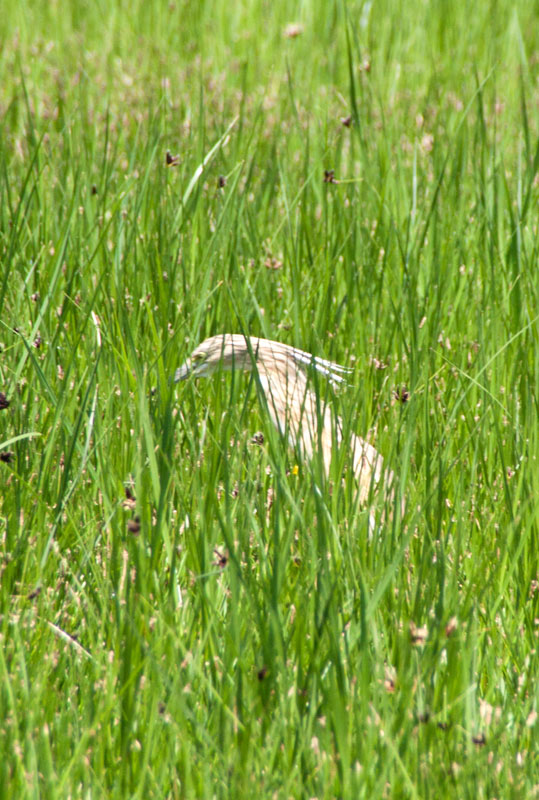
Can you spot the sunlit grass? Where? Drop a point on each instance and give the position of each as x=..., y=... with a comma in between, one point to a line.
x=186, y=612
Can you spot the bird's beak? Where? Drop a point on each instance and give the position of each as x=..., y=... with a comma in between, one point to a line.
x=183, y=372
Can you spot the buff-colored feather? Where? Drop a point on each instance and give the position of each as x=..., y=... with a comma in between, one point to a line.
x=283, y=375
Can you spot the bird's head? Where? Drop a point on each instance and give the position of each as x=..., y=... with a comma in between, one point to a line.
x=223, y=352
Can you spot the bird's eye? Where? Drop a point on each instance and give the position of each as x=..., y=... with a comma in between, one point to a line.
x=198, y=360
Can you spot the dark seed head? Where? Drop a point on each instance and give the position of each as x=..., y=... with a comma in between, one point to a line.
x=133, y=525
x=222, y=559
x=4, y=402
x=401, y=394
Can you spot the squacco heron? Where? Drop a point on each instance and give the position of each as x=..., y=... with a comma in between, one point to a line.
x=293, y=406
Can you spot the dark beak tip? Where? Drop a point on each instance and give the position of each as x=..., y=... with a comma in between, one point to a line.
x=181, y=373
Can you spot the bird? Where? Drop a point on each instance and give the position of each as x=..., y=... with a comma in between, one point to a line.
x=295, y=410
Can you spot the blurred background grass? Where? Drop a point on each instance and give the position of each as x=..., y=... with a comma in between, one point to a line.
x=183, y=612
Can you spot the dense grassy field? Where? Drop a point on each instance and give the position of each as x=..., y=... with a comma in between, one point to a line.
x=183, y=612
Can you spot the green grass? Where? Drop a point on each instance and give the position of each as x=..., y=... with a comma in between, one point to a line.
x=246, y=637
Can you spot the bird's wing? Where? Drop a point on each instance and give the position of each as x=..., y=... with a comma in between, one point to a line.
x=296, y=413
x=334, y=372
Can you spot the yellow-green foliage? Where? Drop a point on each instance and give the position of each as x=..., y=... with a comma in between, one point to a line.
x=185, y=612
